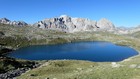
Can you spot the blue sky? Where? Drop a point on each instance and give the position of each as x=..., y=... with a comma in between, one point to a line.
x=120, y=12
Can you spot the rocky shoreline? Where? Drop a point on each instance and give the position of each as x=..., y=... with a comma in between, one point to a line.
x=17, y=72
x=14, y=73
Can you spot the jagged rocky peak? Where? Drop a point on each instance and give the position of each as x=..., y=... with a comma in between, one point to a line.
x=65, y=18
x=105, y=24
x=4, y=20
x=70, y=24
x=14, y=23
x=57, y=23
x=18, y=23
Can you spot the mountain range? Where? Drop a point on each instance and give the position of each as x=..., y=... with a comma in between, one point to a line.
x=71, y=24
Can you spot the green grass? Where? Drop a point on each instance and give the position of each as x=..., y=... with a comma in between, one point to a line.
x=74, y=69
x=57, y=41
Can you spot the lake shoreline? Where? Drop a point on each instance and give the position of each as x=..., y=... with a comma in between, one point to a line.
x=78, y=46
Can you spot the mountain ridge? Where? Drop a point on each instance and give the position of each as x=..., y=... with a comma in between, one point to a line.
x=73, y=24
x=14, y=23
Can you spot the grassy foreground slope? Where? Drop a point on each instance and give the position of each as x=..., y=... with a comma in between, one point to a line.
x=15, y=37
x=73, y=69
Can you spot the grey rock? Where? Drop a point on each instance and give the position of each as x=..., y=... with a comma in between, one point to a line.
x=4, y=21
x=69, y=24
x=17, y=72
x=53, y=23
x=18, y=23
x=105, y=24
x=84, y=24
x=1, y=34
x=14, y=23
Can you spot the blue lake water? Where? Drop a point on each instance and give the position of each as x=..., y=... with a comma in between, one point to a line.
x=92, y=51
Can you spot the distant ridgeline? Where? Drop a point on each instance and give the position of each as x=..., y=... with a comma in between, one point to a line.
x=70, y=24
x=14, y=23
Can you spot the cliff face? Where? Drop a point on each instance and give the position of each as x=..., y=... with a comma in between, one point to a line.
x=69, y=24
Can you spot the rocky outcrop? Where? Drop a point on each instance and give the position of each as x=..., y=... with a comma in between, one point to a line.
x=17, y=72
x=14, y=23
x=1, y=34
x=18, y=23
x=82, y=24
x=4, y=21
x=105, y=24
x=54, y=23
x=12, y=74
x=69, y=24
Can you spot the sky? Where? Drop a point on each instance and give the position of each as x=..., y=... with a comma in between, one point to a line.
x=120, y=12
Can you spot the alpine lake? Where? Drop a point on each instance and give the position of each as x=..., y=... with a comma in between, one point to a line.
x=91, y=51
